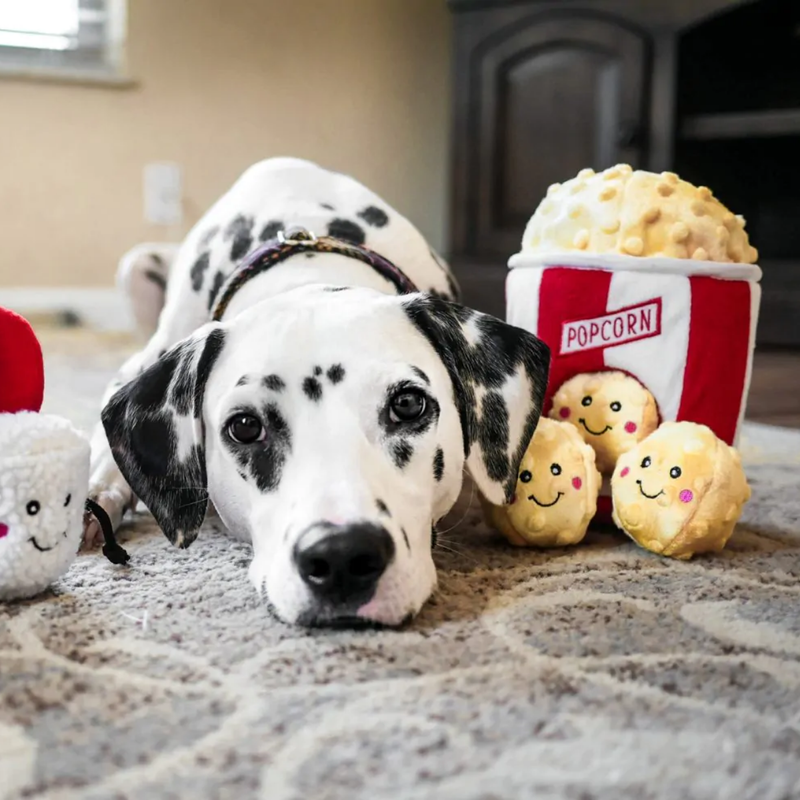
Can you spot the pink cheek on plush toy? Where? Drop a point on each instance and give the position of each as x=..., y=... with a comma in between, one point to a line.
x=631, y=427
x=3, y=530
x=686, y=496
x=577, y=483
x=563, y=413
x=625, y=471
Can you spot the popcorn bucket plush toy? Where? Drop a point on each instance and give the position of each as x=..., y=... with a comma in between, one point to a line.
x=640, y=276
x=44, y=473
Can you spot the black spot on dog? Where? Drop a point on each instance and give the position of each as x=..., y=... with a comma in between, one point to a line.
x=382, y=507
x=327, y=206
x=263, y=462
x=421, y=375
x=154, y=439
x=312, y=389
x=274, y=383
x=271, y=230
x=405, y=538
x=374, y=216
x=401, y=453
x=243, y=381
x=438, y=464
x=156, y=277
x=347, y=231
x=219, y=279
x=336, y=373
x=240, y=229
x=198, y=270
x=206, y=238
x=318, y=371
x=493, y=435
x=310, y=255
x=336, y=288
x=215, y=342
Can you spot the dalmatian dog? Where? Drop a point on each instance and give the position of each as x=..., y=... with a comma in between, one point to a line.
x=326, y=417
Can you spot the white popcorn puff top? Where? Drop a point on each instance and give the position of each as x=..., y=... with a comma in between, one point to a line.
x=637, y=213
x=44, y=475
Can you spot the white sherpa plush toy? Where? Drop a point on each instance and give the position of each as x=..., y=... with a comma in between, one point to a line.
x=44, y=472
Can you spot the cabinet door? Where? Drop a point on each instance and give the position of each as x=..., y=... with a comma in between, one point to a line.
x=555, y=93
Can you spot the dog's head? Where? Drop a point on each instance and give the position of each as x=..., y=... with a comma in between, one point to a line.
x=332, y=427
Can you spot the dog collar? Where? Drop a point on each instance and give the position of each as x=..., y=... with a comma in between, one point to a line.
x=298, y=241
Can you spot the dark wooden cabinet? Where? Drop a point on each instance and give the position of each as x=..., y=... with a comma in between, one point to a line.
x=557, y=92
x=707, y=88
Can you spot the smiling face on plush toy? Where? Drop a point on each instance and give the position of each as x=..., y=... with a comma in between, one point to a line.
x=680, y=491
x=557, y=487
x=611, y=411
x=43, y=477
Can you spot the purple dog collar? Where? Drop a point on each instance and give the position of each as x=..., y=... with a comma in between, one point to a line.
x=302, y=241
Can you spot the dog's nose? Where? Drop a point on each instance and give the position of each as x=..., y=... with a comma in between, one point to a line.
x=347, y=562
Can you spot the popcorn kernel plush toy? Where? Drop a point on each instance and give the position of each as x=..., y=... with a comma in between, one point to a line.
x=611, y=411
x=557, y=490
x=680, y=491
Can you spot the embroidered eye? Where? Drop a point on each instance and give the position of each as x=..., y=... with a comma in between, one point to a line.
x=66, y=502
x=675, y=472
x=407, y=406
x=245, y=429
x=555, y=469
x=616, y=406
x=646, y=462
x=525, y=476
x=587, y=401
x=33, y=507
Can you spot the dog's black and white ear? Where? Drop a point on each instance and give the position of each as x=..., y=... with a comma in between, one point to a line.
x=499, y=376
x=154, y=426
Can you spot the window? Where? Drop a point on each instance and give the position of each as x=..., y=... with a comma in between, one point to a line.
x=78, y=38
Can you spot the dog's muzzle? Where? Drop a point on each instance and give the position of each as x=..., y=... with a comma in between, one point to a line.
x=343, y=566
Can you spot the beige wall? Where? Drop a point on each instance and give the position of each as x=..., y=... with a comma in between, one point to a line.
x=361, y=86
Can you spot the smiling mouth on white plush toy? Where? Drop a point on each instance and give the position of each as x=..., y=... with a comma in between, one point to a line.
x=40, y=548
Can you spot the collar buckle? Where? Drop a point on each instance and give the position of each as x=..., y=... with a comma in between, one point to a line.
x=296, y=235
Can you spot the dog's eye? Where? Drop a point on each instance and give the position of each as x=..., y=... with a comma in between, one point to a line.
x=587, y=401
x=555, y=469
x=646, y=462
x=675, y=472
x=245, y=429
x=525, y=476
x=33, y=507
x=407, y=406
x=615, y=406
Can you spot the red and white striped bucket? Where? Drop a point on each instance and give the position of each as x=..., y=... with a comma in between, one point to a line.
x=685, y=329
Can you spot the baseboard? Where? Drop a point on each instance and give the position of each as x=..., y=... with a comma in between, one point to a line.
x=104, y=309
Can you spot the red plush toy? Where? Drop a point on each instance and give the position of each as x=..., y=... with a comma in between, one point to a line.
x=21, y=365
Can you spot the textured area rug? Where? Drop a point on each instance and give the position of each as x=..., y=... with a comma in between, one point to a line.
x=595, y=672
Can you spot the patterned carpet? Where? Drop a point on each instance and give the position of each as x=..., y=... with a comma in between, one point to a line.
x=595, y=672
